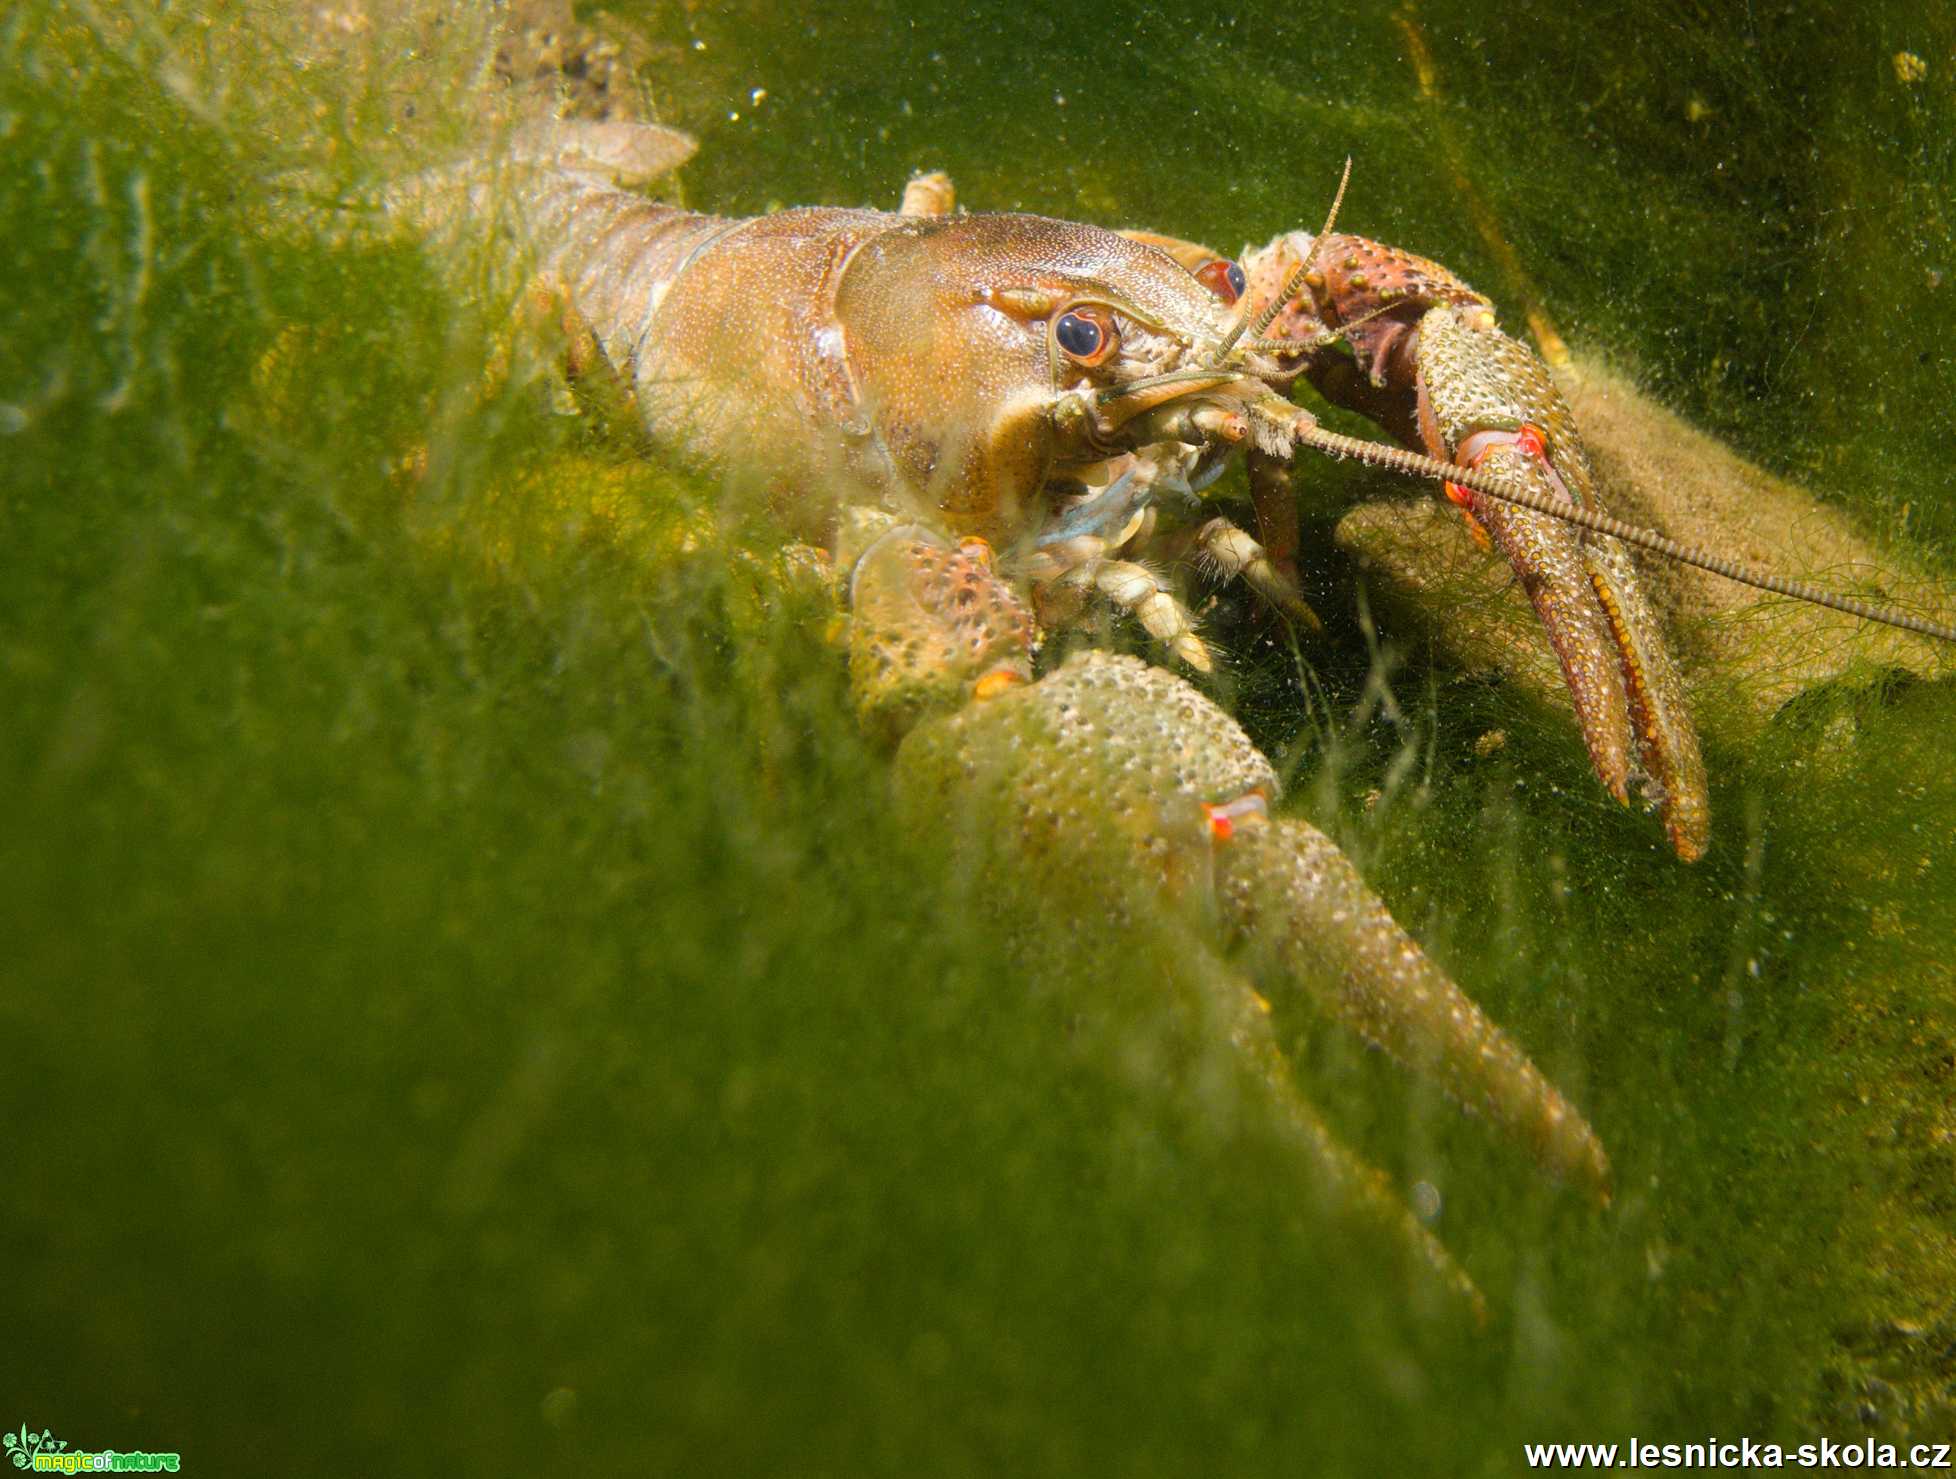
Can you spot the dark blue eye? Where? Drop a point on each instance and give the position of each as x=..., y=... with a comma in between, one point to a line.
x=1079, y=336
x=1086, y=334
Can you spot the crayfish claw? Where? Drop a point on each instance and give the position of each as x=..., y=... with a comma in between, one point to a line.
x=1112, y=797
x=1117, y=785
x=931, y=627
x=1116, y=793
x=1486, y=401
x=1548, y=557
x=1427, y=362
x=1673, y=770
x=1309, y=921
x=1345, y=1179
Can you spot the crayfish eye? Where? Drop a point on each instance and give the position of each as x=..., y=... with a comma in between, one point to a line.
x=1086, y=335
x=1223, y=278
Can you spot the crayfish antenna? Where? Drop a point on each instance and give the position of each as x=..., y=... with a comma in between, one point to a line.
x=1255, y=327
x=1413, y=464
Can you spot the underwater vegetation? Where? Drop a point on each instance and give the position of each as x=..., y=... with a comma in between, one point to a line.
x=469, y=998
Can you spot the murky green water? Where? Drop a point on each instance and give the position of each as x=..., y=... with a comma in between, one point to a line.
x=468, y=1003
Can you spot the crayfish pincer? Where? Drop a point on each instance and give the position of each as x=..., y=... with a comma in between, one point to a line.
x=1125, y=783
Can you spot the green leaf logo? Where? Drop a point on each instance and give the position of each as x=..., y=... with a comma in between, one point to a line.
x=22, y=1446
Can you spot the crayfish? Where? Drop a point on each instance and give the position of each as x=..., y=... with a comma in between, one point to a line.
x=985, y=423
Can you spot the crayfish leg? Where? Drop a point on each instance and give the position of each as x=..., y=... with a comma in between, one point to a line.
x=929, y=194
x=1136, y=589
x=1234, y=554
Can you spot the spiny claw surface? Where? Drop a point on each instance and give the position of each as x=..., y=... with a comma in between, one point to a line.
x=1427, y=362
x=1308, y=918
x=1120, y=782
x=1486, y=401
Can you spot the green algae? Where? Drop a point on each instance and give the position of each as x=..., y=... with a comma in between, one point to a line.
x=468, y=1000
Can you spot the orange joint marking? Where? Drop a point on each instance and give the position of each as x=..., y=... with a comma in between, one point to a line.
x=996, y=682
x=978, y=548
x=1471, y=452
x=1463, y=499
x=1225, y=817
x=1530, y=442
